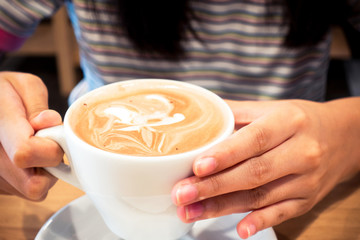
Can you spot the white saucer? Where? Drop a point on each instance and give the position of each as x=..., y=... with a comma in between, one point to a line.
x=80, y=220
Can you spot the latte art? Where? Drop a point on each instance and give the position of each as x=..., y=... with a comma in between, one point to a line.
x=138, y=118
x=149, y=122
x=146, y=120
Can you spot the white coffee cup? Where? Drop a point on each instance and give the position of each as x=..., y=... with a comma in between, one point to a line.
x=131, y=193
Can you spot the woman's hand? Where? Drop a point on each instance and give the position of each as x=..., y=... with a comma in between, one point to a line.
x=285, y=157
x=23, y=111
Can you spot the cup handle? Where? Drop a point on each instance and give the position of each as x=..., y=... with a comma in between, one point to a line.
x=63, y=171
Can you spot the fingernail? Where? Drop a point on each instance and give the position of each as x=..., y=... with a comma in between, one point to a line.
x=193, y=211
x=186, y=193
x=205, y=166
x=251, y=230
x=39, y=115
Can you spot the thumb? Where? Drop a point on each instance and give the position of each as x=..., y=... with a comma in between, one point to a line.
x=35, y=100
x=246, y=112
x=45, y=119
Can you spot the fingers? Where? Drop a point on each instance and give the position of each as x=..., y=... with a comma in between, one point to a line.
x=270, y=205
x=246, y=111
x=22, y=155
x=270, y=216
x=36, y=152
x=26, y=150
x=247, y=200
x=276, y=166
x=30, y=183
x=39, y=181
x=23, y=96
x=34, y=188
x=30, y=153
x=254, y=139
x=249, y=174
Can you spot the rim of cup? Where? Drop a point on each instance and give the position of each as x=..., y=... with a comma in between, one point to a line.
x=228, y=129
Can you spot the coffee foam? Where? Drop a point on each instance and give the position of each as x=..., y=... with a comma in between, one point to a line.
x=138, y=118
x=149, y=122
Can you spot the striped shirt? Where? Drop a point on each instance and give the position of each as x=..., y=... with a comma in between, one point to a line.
x=240, y=56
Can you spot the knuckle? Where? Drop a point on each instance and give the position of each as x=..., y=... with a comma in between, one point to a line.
x=26, y=79
x=36, y=188
x=299, y=117
x=260, y=139
x=217, y=207
x=34, y=193
x=30, y=78
x=215, y=184
x=257, y=197
x=30, y=81
x=312, y=186
x=22, y=156
x=258, y=170
x=36, y=108
x=261, y=221
x=305, y=206
x=280, y=216
x=313, y=155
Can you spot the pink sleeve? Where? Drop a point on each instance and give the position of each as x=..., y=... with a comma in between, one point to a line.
x=10, y=42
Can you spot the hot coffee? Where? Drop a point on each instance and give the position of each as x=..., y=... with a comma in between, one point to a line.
x=143, y=117
x=148, y=120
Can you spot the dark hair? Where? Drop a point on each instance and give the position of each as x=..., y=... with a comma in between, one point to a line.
x=155, y=27
x=310, y=20
x=158, y=27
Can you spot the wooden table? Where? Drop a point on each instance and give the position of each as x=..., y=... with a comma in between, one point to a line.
x=336, y=217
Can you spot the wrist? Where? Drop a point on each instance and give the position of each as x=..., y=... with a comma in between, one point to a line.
x=345, y=114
